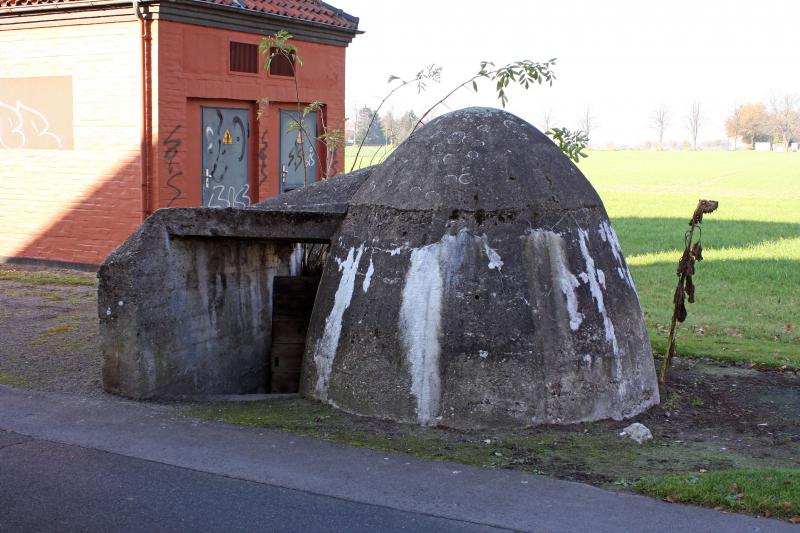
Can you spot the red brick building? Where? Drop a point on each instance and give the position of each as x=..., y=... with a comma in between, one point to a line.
x=111, y=109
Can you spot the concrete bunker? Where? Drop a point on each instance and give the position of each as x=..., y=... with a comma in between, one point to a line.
x=186, y=303
x=473, y=279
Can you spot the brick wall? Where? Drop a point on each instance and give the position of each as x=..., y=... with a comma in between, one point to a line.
x=76, y=205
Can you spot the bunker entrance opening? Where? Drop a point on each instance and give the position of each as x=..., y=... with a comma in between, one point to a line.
x=292, y=302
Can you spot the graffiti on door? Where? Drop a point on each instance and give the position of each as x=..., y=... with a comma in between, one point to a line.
x=226, y=136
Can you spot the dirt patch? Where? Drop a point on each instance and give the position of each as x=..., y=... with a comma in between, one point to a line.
x=739, y=409
x=49, y=334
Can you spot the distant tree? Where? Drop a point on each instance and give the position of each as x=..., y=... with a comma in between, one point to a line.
x=548, y=119
x=390, y=124
x=733, y=125
x=660, y=122
x=754, y=121
x=784, y=120
x=693, y=120
x=587, y=121
x=375, y=135
x=405, y=124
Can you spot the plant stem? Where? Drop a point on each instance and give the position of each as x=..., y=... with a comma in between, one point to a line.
x=372, y=120
x=673, y=325
x=448, y=95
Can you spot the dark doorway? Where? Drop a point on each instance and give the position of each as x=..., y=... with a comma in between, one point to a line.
x=292, y=302
x=297, y=151
x=225, y=142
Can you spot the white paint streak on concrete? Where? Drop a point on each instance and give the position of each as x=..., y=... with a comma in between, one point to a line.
x=325, y=351
x=420, y=327
x=567, y=283
x=607, y=234
x=368, y=276
x=296, y=260
x=495, y=261
x=591, y=277
x=559, y=267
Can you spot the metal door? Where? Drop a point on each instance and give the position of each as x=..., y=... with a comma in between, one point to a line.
x=226, y=140
x=297, y=151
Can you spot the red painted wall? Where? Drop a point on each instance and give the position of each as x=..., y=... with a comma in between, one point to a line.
x=78, y=205
x=199, y=75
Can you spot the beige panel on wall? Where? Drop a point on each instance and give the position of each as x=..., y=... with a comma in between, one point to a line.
x=36, y=113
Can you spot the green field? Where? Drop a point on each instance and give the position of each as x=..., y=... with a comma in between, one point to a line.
x=369, y=155
x=748, y=286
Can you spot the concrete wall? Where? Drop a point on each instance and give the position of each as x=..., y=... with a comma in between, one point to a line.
x=197, y=321
x=185, y=304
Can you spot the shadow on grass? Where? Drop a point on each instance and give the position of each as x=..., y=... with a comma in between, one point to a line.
x=746, y=310
x=640, y=235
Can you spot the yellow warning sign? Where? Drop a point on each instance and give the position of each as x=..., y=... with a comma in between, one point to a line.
x=227, y=138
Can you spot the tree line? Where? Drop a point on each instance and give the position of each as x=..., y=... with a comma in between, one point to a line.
x=754, y=122
x=386, y=129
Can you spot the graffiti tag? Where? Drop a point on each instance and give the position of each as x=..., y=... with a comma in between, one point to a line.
x=22, y=126
x=171, y=145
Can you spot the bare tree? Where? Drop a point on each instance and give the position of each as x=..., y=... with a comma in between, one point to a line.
x=784, y=119
x=587, y=121
x=733, y=125
x=693, y=120
x=660, y=122
x=548, y=119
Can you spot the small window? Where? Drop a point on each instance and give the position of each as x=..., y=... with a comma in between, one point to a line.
x=281, y=65
x=244, y=57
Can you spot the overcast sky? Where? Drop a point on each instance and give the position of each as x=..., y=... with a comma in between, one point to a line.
x=620, y=58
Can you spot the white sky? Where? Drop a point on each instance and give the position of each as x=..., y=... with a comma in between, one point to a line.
x=620, y=58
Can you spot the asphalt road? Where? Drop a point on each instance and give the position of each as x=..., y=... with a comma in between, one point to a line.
x=70, y=463
x=46, y=486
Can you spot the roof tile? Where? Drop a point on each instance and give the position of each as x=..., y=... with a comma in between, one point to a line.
x=315, y=11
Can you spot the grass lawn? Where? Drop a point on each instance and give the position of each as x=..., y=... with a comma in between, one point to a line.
x=767, y=492
x=47, y=277
x=748, y=286
x=370, y=155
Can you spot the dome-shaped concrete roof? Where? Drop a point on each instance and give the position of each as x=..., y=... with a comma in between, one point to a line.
x=476, y=280
x=477, y=159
